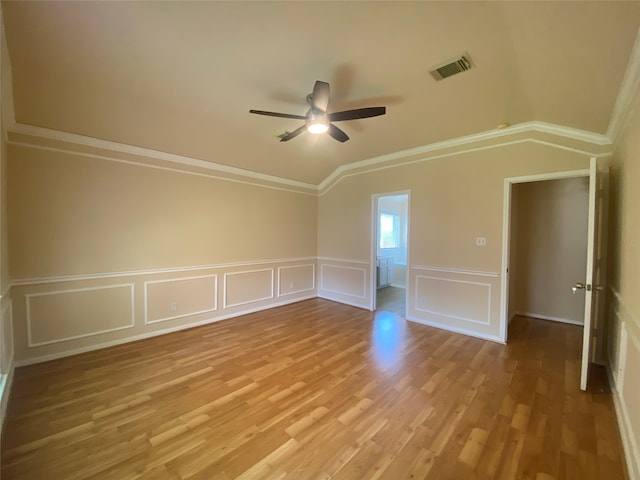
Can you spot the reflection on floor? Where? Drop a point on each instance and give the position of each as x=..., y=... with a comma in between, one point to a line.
x=391, y=299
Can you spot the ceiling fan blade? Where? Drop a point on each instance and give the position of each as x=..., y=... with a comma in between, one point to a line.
x=281, y=115
x=320, y=96
x=337, y=134
x=288, y=136
x=357, y=113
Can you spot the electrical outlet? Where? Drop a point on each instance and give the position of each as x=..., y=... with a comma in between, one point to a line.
x=481, y=241
x=174, y=306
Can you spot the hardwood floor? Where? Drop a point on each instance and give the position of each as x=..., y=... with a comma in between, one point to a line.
x=315, y=390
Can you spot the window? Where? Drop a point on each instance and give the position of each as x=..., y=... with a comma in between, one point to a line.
x=389, y=230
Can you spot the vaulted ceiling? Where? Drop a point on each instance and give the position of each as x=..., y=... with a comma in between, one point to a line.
x=180, y=77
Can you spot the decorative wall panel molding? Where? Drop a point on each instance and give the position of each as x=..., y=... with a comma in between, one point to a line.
x=179, y=297
x=59, y=316
x=250, y=286
x=294, y=279
x=343, y=280
x=457, y=299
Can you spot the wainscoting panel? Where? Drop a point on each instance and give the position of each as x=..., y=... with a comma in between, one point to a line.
x=243, y=288
x=296, y=279
x=64, y=315
x=464, y=301
x=180, y=297
x=61, y=316
x=624, y=357
x=442, y=297
x=344, y=281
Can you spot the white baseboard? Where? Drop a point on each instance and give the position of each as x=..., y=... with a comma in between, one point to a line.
x=547, y=317
x=99, y=346
x=449, y=328
x=631, y=451
x=346, y=302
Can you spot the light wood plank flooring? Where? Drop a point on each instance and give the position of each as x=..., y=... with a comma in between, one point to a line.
x=315, y=390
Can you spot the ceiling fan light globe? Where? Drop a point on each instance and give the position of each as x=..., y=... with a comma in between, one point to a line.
x=317, y=128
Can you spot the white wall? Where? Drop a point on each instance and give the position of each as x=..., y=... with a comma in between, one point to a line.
x=6, y=311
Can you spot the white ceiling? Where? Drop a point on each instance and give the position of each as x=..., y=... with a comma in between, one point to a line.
x=180, y=77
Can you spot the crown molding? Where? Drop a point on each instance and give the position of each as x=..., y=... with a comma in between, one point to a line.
x=522, y=128
x=57, y=135
x=528, y=127
x=628, y=89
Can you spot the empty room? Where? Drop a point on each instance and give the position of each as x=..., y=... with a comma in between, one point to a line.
x=319, y=240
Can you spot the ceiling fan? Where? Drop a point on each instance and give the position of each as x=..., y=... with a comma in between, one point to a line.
x=318, y=120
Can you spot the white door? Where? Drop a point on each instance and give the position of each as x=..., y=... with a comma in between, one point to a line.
x=596, y=262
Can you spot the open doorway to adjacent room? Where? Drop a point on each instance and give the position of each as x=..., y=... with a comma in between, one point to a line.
x=391, y=214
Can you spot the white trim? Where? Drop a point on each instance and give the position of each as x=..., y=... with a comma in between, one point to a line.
x=341, y=172
x=614, y=351
x=155, y=271
x=455, y=317
x=146, y=302
x=456, y=271
x=548, y=317
x=346, y=302
x=342, y=260
x=628, y=313
x=449, y=328
x=99, y=346
x=373, y=247
x=629, y=445
x=156, y=167
x=622, y=356
x=28, y=296
x=628, y=89
x=364, y=281
x=541, y=177
x=337, y=175
x=5, y=292
x=4, y=309
x=293, y=292
x=506, y=234
x=225, y=305
x=49, y=134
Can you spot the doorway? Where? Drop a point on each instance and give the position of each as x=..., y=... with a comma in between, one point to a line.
x=593, y=285
x=549, y=226
x=390, y=251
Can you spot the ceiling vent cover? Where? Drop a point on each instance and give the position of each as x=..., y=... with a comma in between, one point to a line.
x=457, y=65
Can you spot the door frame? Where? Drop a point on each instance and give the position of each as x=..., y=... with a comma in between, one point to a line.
x=506, y=235
x=373, y=245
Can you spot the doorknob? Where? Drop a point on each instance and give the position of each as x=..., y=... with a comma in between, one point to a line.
x=578, y=286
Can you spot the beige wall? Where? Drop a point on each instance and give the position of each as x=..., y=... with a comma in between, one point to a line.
x=623, y=312
x=107, y=248
x=72, y=214
x=6, y=321
x=550, y=238
x=454, y=199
